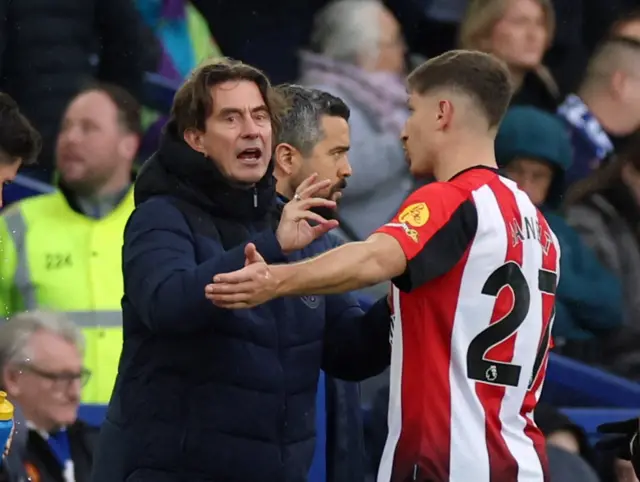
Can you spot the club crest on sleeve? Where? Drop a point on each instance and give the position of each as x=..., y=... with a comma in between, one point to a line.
x=415, y=215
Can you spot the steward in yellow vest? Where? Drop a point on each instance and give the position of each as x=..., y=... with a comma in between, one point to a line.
x=62, y=251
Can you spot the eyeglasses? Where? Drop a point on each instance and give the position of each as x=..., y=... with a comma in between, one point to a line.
x=61, y=379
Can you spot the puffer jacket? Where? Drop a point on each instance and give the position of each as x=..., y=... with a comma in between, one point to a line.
x=207, y=394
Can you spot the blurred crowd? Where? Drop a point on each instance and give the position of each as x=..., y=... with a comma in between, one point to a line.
x=85, y=73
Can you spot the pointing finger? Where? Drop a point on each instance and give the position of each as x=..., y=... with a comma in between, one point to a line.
x=221, y=289
x=225, y=289
x=234, y=277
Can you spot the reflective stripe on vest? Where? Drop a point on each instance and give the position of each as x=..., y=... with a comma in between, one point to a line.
x=69, y=263
x=96, y=319
x=22, y=279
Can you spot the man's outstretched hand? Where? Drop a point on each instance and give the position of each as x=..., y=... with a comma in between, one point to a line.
x=248, y=287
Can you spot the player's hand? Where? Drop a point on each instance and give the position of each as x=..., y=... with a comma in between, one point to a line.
x=295, y=231
x=248, y=287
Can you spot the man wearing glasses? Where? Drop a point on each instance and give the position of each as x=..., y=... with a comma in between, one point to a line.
x=41, y=369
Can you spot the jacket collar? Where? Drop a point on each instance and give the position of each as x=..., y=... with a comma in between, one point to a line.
x=179, y=171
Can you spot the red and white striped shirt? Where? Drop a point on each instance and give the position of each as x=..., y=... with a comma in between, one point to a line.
x=472, y=329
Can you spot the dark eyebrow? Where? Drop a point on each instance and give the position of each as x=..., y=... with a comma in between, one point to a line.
x=337, y=149
x=233, y=110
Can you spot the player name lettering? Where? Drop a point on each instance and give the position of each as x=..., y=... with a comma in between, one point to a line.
x=532, y=230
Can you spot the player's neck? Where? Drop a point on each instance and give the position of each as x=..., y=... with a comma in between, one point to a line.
x=463, y=156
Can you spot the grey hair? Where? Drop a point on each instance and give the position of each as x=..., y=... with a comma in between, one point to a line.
x=301, y=123
x=16, y=333
x=347, y=30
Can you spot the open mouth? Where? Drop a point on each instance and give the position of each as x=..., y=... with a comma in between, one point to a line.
x=251, y=154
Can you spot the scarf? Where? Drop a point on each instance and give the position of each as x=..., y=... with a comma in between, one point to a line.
x=577, y=114
x=382, y=95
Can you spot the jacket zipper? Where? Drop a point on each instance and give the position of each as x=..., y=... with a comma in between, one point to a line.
x=255, y=197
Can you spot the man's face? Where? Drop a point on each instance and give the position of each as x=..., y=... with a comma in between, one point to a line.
x=421, y=134
x=47, y=386
x=628, y=93
x=532, y=176
x=329, y=157
x=520, y=37
x=392, y=47
x=238, y=132
x=92, y=143
x=8, y=172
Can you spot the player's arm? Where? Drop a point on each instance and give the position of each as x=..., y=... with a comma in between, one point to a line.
x=347, y=268
x=430, y=234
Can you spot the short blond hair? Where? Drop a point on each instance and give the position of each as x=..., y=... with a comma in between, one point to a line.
x=481, y=17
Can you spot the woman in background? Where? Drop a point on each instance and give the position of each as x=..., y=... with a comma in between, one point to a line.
x=519, y=32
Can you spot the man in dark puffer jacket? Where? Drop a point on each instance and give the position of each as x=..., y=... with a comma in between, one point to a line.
x=207, y=394
x=46, y=49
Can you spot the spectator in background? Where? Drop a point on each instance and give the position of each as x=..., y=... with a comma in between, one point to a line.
x=42, y=372
x=19, y=142
x=314, y=138
x=606, y=108
x=184, y=39
x=358, y=55
x=519, y=32
x=47, y=48
x=62, y=251
x=561, y=432
x=535, y=151
x=622, y=442
x=605, y=210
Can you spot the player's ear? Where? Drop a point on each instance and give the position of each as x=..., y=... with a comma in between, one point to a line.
x=286, y=158
x=444, y=114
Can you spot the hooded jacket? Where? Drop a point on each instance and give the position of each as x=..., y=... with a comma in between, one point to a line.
x=204, y=393
x=589, y=297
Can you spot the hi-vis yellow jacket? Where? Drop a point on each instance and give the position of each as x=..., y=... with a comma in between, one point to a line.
x=52, y=257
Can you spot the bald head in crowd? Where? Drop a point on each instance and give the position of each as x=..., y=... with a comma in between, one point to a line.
x=611, y=86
